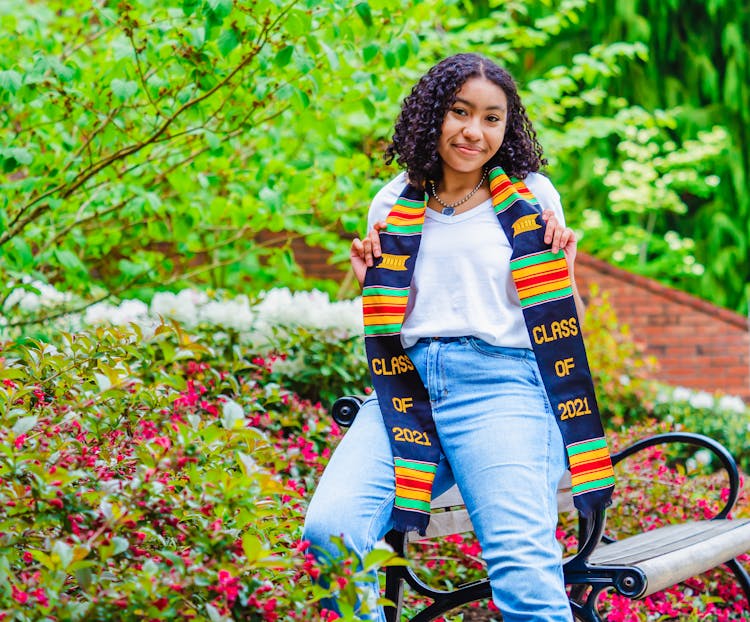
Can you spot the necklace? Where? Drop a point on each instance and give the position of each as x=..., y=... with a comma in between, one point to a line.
x=450, y=208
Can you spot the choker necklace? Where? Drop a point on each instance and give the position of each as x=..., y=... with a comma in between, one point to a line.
x=450, y=208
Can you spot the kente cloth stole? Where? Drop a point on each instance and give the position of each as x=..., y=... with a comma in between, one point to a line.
x=545, y=291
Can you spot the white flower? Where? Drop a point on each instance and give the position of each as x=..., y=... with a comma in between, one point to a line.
x=181, y=307
x=233, y=313
x=28, y=301
x=703, y=456
x=732, y=403
x=128, y=311
x=313, y=310
x=702, y=400
x=681, y=394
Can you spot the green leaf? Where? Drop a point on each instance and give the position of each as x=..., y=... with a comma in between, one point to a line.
x=124, y=89
x=189, y=6
x=252, y=547
x=84, y=576
x=20, y=155
x=10, y=80
x=130, y=268
x=120, y=545
x=363, y=10
x=64, y=553
x=62, y=71
x=220, y=8
x=213, y=613
x=227, y=41
x=369, y=108
x=369, y=52
x=24, y=424
x=284, y=56
x=69, y=260
x=22, y=256
x=42, y=558
x=390, y=59
x=402, y=52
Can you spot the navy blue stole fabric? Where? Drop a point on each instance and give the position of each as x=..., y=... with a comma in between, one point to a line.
x=545, y=292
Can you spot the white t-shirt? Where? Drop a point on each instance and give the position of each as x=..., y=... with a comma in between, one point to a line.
x=462, y=285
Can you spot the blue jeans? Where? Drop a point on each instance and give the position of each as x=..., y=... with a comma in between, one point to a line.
x=500, y=444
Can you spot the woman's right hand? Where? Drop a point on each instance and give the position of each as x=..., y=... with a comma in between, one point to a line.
x=364, y=252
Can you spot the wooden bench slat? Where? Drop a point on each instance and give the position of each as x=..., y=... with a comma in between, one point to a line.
x=660, y=541
x=679, y=551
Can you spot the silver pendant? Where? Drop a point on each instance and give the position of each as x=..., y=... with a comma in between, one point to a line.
x=448, y=211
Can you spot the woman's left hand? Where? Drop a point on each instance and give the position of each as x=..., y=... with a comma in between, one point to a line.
x=560, y=237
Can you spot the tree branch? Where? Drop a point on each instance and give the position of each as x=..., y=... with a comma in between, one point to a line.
x=66, y=190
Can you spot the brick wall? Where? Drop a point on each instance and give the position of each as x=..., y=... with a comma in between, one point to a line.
x=697, y=344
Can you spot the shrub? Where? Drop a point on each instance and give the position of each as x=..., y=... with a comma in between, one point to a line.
x=315, y=344
x=142, y=478
x=622, y=373
x=722, y=417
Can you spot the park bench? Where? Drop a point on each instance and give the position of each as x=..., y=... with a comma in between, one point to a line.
x=635, y=566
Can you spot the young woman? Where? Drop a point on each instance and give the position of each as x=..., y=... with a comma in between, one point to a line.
x=464, y=333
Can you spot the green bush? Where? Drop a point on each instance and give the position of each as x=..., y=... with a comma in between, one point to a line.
x=143, y=478
x=723, y=418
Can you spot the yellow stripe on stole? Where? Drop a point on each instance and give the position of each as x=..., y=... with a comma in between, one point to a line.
x=401, y=222
x=541, y=268
x=375, y=319
x=503, y=195
x=424, y=476
x=591, y=476
x=589, y=456
x=417, y=495
x=405, y=209
x=368, y=301
x=543, y=288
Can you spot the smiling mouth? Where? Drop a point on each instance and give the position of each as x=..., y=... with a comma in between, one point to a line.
x=467, y=149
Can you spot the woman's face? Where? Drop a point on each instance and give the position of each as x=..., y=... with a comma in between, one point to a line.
x=474, y=126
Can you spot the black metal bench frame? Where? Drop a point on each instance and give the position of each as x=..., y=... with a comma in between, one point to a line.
x=587, y=580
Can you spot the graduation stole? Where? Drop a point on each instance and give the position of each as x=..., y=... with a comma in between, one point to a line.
x=545, y=291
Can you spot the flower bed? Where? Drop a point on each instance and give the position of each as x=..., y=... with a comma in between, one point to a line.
x=143, y=479
x=155, y=471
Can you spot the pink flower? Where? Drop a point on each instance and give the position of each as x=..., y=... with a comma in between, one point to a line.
x=19, y=595
x=41, y=597
x=228, y=585
x=161, y=604
x=20, y=440
x=163, y=441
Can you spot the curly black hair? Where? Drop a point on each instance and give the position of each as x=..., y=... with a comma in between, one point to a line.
x=418, y=128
